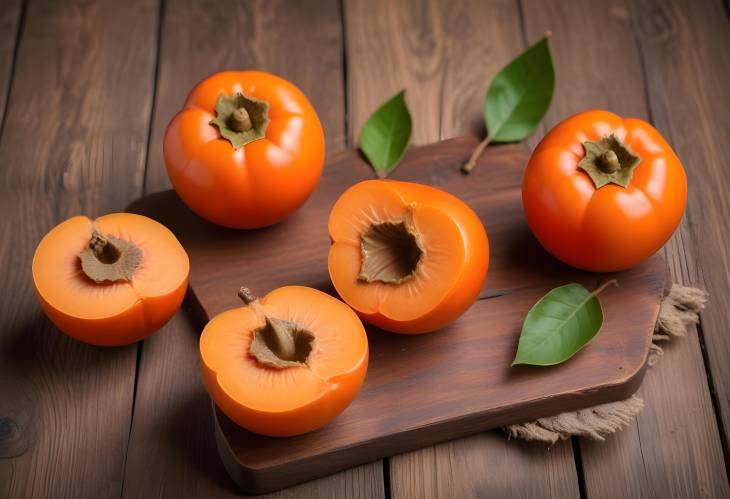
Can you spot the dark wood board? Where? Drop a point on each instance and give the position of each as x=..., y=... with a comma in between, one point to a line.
x=429, y=388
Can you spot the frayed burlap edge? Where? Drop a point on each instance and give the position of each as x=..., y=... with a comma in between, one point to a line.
x=678, y=311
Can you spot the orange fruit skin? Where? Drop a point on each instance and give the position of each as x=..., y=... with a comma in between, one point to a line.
x=262, y=182
x=110, y=314
x=612, y=228
x=464, y=282
x=247, y=391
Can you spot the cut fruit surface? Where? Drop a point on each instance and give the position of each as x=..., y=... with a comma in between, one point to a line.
x=305, y=391
x=407, y=257
x=110, y=312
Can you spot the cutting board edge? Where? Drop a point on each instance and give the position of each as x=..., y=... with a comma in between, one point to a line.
x=254, y=480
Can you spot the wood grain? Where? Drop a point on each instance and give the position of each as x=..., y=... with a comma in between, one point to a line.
x=673, y=449
x=682, y=43
x=473, y=354
x=73, y=143
x=172, y=448
x=9, y=28
x=461, y=468
x=445, y=53
x=88, y=69
x=300, y=41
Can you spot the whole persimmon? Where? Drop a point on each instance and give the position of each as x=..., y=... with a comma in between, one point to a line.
x=246, y=150
x=603, y=193
x=110, y=281
x=408, y=258
x=286, y=364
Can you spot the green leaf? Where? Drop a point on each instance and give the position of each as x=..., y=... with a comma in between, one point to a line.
x=520, y=95
x=385, y=136
x=559, y=325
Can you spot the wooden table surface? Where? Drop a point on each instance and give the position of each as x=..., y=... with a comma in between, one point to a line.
x=86, y=90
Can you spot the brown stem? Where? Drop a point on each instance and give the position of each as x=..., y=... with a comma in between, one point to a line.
x=608, y=162
x=469, y=166
x=246, y=295
x=109, y=259
x=240, y=121
x=278, y=343
x=103, y=249
x=240, y=118
x=97, y=241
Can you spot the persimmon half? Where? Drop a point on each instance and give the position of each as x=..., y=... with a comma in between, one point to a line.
x=110, y=281
x=286, y=364
x=409, y=258
x=246, y=150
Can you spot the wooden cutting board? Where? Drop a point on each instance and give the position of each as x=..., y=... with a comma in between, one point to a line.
x=424, y=389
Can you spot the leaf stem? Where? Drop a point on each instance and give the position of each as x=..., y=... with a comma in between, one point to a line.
x=603, y=286
x=469, y=165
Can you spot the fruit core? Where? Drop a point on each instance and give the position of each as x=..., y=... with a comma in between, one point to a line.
x=391, y=252
x=278, y=343
x=109, y=259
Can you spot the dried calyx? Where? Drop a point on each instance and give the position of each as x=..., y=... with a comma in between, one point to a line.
x=241, y=118
x=391, y=251
x=609, y=161
x=277, y=343
x=109, y=259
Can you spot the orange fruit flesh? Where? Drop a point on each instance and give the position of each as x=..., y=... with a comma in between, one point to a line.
x=110, y=313
x=292, y=400
x=424, y=301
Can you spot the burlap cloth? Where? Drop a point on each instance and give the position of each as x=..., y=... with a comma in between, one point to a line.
x=679, y=310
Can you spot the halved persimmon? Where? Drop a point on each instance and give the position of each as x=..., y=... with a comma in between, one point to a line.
x=110, y=281
x=409, y=258
x=286, y=364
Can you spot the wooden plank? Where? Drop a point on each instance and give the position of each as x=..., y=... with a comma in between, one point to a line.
x=444, y=54
x=172, y=450
x=300, y=41
x=684, y=46
x=673, y=448
x=475, y=467
x=9, y=28
x=74, y=142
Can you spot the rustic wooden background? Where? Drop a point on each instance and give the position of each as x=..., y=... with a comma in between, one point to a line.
x=86, y=90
